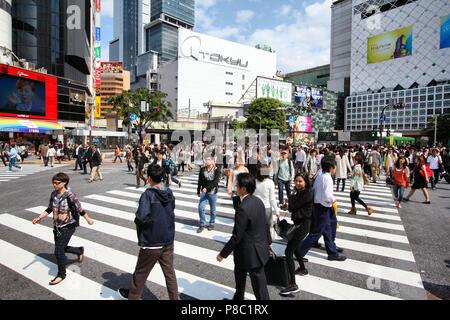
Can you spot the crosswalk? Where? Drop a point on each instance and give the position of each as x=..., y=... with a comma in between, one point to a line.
x=380, y=264
x=27, y=170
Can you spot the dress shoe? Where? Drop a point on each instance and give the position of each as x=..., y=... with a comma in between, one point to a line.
x=338, y=258
x=81, y=256
x=340, y=250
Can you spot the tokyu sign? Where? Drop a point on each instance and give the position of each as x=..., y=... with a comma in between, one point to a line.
x=192, y=47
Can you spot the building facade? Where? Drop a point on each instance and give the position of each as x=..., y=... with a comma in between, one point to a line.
x=114, y=81
x=5, y=28
x=399, y=53
x=166, y=18
x=211, y=69
x=318, y=76
x=43, y=35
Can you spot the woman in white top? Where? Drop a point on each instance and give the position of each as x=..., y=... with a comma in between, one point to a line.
x=232, y=177
x=342, y=168
x=51, y=153
x=265, y=190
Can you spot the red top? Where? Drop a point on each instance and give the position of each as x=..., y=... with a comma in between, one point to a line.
x=400, y=177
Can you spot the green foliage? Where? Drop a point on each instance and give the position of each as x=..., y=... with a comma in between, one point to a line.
x=269, y=113
x=129, y=103
x=443, y=129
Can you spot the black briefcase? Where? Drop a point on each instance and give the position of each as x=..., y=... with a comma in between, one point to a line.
x=446, y=176
x=277, y=271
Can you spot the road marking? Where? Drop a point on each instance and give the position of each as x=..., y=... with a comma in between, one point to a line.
x=188, y=284
x=40, y=271
x=208, y=256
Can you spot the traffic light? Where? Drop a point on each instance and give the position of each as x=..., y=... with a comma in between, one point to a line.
x=156, y=109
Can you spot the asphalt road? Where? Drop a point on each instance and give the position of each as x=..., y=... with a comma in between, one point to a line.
x=380, y=265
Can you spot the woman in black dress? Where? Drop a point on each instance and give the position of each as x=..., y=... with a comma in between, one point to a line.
x=421, y=179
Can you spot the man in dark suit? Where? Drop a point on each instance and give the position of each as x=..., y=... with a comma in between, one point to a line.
x=250, y=242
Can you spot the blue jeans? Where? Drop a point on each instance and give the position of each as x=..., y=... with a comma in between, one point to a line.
x=399, y=191
x=283, y=184
x=324, y=224
x=212, y=199
x=12, y=163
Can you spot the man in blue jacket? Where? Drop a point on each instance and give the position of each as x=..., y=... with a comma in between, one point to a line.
x=155, y=223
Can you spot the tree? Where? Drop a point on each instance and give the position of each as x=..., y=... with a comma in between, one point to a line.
x=443, y=129
x=129, y=103
x=267, y=113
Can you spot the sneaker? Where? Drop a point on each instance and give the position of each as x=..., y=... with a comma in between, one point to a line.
x=200, y=229
x=290, y=290
x=301, y=272
x=123, y=293
x=338, y=258
x=210, y=227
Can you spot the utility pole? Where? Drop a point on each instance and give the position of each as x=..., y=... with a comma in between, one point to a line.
x=435, y=129
x=90, y=102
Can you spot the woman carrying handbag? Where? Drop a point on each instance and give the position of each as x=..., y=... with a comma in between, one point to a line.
x=301, y=208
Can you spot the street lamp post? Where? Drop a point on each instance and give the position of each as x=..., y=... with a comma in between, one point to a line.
x=435, y=129
x=396, y=106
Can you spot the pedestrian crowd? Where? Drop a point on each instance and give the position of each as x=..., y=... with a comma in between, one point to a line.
x=255, y=180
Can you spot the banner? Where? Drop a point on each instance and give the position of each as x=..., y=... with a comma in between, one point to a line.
x=308, y=97
x=98, y=77
x=98, y=52
x=445, y=32
x=300, y=124
x=280, y=90
x=111, y=67
x=98, y=36
x=98, y=5
x=390, y=45
x=98, y=105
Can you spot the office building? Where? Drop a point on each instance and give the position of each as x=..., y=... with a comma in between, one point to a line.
x=210, y=69
x=43, y=36
x=399, y=53
x=5, y=29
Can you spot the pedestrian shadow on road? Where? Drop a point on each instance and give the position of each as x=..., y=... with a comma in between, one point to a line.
x=438, y=290
x=115, y=281
x=448, y=263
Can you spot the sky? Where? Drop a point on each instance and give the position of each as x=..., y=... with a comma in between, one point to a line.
x=298, y=30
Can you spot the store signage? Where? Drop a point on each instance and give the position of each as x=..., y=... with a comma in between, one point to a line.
x=192, y=48
x=98, y=34
x=98, y=5
x=98, y=52
x=280, y=90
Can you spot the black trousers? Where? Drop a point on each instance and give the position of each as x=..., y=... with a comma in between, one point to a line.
x=78, y=163
x=62, y=239
x=259, y=283
x=291, y=247
x=354, y=196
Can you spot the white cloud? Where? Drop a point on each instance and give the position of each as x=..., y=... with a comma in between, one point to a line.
x=205, y=4
x=244, y=16
x=224, y=33
x=108, y=8
x=284, y=10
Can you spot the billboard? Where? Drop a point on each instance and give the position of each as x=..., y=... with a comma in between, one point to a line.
x=111, y=67
x=268, y=88
x=27, y=94
x=445, y=32
x=390, y=45
x=300, y=124
x=308, y=97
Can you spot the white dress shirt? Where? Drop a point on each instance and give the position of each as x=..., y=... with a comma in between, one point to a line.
x=323, y=190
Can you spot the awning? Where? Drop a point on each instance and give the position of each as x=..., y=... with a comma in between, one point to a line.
x=28, y=125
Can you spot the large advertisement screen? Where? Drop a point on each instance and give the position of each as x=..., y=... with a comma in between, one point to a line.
x=22, y=96
x=445, y=32
x=390, y=45
x=280, y=90
x=308, y=97
x=300, y=124
x=111, y=67
x=27, y=94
